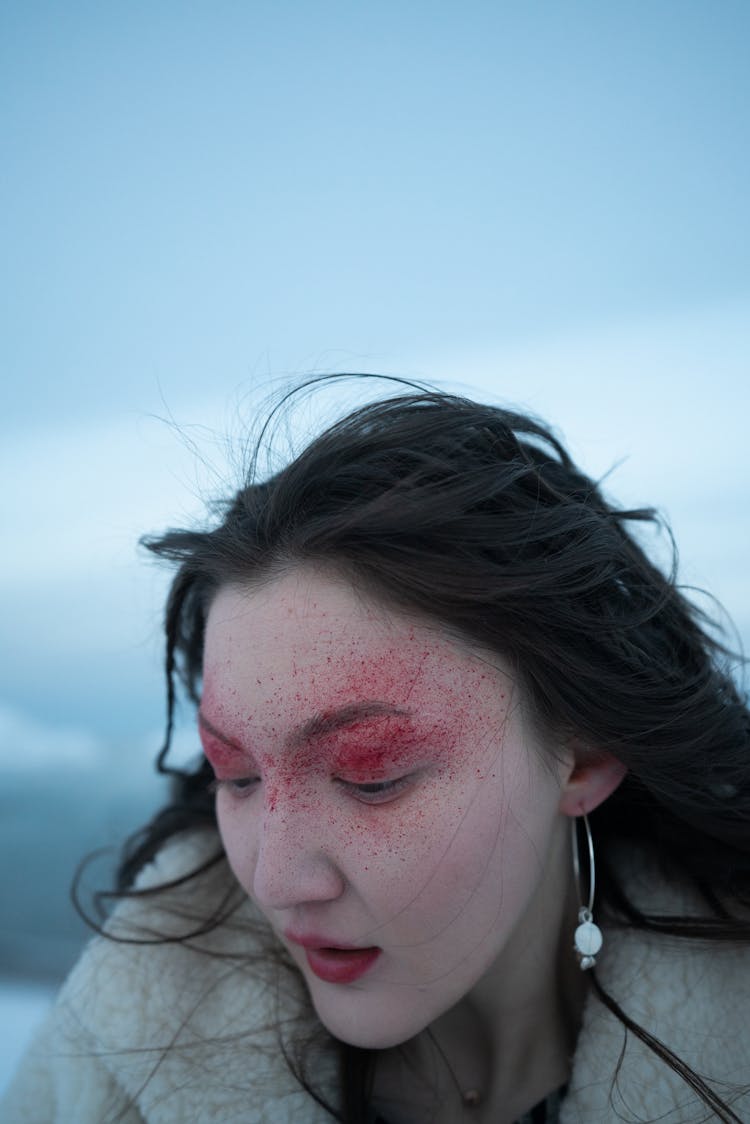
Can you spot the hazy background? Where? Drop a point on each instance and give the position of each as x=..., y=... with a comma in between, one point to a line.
x=545, y=203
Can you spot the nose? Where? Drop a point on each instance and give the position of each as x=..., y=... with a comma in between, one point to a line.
x=293, y=863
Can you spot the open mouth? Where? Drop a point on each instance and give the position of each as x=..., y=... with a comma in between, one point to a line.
x=341, y=965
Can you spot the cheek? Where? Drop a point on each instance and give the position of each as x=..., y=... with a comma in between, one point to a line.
x=431, y=847
x=500, y=833
x=239, y=840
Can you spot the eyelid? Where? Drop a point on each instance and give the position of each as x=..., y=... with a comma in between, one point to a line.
x=381, y=792
x=385, y=790
x=224, y=755
x=217, y=784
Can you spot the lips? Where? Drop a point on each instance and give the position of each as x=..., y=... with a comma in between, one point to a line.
x=335, y=963
x=339, y=965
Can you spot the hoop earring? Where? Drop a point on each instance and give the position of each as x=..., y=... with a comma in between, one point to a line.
x=588, y=939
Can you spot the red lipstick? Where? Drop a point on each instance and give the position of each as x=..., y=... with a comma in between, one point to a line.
x=335, y=963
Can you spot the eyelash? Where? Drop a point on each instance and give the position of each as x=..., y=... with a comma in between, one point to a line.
x=368, y=793
x=233, y=786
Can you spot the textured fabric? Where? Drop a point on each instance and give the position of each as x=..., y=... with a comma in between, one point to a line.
x=694, y=996
x=166, y=1034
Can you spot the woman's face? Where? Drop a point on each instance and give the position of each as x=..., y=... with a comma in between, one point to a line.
x=379, y=791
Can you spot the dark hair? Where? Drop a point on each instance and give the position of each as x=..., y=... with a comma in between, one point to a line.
x=476, y=515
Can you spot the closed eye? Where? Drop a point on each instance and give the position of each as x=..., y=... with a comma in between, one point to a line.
x=370, y=792
x=376, y=792
x=239, y=788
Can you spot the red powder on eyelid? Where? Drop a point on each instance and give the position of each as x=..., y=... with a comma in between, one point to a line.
x=223, y=756
x=378, y=747
x=444, y=713
x=370, y=751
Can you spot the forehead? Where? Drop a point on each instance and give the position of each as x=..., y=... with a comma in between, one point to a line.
x=306, y=643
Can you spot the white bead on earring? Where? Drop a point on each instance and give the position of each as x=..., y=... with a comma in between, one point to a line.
x=588, y=939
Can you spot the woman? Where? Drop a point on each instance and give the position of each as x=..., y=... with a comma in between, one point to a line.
x=470, y=836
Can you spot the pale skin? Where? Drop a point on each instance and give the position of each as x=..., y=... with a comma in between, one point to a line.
x=381, y=784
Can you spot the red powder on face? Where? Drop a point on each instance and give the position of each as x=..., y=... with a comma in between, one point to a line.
x=355, y=712
x=369, y=750
x=225, y=755
x=377, y=750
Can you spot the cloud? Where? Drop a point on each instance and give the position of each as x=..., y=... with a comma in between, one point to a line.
x=82, y=495
x=28, y=744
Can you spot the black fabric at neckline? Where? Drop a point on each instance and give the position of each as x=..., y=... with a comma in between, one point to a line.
x=546, y=1111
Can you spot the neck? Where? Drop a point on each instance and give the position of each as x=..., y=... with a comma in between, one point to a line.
x=515, y=1032
x=511, y=1038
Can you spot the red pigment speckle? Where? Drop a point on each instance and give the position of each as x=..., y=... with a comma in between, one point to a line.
x=292, y=740
x=225, y=755
x=375, y=748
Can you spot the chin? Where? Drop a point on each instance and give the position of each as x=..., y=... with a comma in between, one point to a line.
x=357, y=1025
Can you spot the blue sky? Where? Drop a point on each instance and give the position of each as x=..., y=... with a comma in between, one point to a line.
x=545, y=203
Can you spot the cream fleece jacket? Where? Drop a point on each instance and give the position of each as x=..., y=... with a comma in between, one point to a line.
x=165, y=1034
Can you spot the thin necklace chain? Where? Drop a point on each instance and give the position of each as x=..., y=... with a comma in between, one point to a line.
x=472, y=1098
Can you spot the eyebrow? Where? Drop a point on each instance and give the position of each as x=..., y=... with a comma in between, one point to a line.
x=330, y=720
x=204, y=722
x=326, y=722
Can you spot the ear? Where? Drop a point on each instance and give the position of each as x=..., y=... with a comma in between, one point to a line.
x=590, y=783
